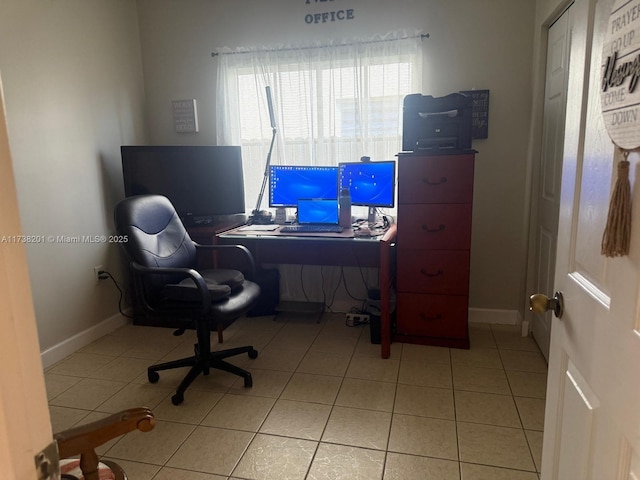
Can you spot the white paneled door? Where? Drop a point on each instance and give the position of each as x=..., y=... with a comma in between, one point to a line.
x=592, y=422
x=548, y=204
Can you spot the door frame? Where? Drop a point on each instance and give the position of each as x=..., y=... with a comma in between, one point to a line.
x=547, y=12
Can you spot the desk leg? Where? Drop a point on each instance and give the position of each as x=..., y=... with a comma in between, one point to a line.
x=385, y=281
x=385, y=317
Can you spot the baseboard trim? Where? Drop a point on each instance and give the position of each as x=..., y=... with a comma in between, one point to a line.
x=65, y=348
x=476, y=315
x=489, y=315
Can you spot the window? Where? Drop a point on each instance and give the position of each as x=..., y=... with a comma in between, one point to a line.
x=333, y=103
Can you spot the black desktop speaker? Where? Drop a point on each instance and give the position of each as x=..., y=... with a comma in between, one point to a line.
x=269, y=282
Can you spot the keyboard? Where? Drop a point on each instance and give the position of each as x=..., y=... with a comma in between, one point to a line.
x=311, y=229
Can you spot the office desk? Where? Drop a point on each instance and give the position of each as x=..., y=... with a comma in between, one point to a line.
x=277, y=248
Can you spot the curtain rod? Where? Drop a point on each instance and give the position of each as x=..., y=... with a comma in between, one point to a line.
x=310, y=47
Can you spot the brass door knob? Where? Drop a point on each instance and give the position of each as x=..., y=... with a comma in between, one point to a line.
x=540, y=303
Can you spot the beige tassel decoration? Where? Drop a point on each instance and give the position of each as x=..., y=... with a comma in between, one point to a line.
x=617, y=233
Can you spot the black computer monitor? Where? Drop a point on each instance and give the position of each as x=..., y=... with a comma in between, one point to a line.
x=288, y=183
x=371, y=184
x=202, y=182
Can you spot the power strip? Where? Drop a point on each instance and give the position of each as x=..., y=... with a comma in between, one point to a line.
x=357, y=318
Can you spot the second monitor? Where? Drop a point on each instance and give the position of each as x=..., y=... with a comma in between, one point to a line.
x=370, y=184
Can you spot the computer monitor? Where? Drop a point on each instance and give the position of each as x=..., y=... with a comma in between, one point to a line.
x=288, y=183
x=318, y=211
x=202, y=182
x=370, y=184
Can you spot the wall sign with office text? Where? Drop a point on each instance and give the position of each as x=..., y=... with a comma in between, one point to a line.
x=620, y=92
x=331, y=11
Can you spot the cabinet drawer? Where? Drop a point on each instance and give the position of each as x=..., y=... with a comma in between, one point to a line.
x=437, y=227
x=433, y=271
x=432, y=315
x=437, y=179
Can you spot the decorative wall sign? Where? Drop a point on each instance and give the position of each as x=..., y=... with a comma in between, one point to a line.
x=620, y=93
x=620, y=105
x=185, y=115
x=479, y=113
x=328, y=16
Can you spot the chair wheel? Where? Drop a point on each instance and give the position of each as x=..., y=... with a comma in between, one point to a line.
x=177, y=399
x=153, y=376
x=248, y=381
x=253, y=353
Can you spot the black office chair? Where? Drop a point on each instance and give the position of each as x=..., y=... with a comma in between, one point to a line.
x=168, y=286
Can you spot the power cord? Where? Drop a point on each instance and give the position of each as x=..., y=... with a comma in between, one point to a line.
x=329, y=303
x=346, y=287
x=103, y=275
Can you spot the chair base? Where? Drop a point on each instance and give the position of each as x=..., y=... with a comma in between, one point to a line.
x=106, y=470
x=201, y=364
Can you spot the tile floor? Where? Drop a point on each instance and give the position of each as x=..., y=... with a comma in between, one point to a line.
x=324, y=405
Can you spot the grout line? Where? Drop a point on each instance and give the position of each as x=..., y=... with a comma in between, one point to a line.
x=280, y=395
x=313, y=457
x=455, y=415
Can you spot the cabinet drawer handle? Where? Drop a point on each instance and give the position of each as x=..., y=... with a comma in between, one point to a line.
x=427, y=274
x=428, y=318
x=429, y=182
x=433, y=230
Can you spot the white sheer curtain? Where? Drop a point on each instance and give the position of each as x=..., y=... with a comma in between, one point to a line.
x=333, y=103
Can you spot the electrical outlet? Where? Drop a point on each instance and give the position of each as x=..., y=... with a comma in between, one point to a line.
x=96, y=272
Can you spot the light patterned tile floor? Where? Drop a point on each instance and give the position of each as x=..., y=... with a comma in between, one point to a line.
x=324, y=405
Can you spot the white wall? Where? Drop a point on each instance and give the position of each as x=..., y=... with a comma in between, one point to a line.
x=483, y=44
x=74, y=94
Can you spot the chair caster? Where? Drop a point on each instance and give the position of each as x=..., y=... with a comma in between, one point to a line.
x=248, y=381
x=153, y=376
x=177, y=399
x=253, y=353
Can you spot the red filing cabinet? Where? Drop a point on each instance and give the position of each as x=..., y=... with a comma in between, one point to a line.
x=435, y=199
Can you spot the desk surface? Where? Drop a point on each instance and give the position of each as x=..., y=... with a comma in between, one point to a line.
x=273, y=232
x=310, y=249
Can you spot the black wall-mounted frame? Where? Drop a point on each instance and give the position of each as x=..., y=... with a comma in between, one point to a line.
x=479, y=113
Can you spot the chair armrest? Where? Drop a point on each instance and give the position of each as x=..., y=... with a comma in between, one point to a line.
x=195, y=276
x=249, y=257
x=85, y=438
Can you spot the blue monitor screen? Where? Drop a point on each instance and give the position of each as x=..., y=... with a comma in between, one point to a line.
x=288, y=183
x=369, y=183
x=317, y=210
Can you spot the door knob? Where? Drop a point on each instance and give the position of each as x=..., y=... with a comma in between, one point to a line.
x=540, y=303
